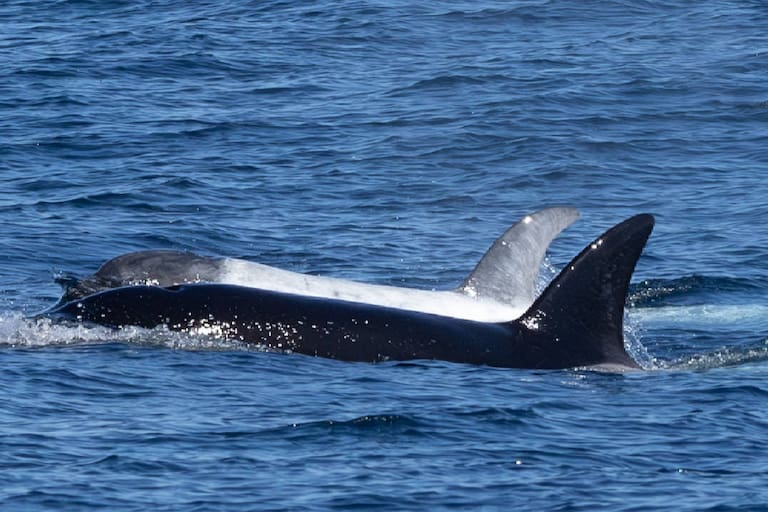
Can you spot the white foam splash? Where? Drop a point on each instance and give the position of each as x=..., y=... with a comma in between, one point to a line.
x=716, y=317
x=16, y=330
x=633, y=333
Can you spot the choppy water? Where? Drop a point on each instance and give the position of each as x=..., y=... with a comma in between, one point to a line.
x=391, y=143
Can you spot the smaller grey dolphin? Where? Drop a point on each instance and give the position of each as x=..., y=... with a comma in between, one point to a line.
x=501, y=287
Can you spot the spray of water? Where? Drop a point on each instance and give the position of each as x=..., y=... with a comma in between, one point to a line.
x=16, y=330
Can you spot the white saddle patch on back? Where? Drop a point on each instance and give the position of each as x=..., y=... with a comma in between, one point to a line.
x=446, y=303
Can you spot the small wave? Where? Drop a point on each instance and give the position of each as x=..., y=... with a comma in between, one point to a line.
x=128, y=464
x=726, y=357
x=371, y=424
x=449, y=81
x=507, y=416
x=658, y=291
x=375, y=422
x=754, y=316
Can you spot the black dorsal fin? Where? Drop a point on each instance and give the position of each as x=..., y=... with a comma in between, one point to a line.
x=581, y=312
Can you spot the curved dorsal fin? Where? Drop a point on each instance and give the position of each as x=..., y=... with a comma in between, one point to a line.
x=580, y=314
x=507, y=273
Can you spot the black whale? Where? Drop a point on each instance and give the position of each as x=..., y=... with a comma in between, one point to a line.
x=576, y=322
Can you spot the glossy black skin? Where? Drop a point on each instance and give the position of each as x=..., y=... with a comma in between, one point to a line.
x=319, y=327
x=575, y=322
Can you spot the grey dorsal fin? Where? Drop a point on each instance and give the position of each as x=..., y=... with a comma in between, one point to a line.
x=581, y=313
x=507, y=273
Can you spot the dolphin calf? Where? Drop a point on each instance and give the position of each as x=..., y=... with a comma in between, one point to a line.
x=500, y=288
x=575, y=322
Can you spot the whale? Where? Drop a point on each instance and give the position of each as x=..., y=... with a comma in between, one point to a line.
x=501, y=287
x=576, y=322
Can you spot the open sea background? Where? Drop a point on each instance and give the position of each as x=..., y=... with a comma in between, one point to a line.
x=387, y=142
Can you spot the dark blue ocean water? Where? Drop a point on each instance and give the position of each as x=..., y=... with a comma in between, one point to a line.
x=388, y=142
